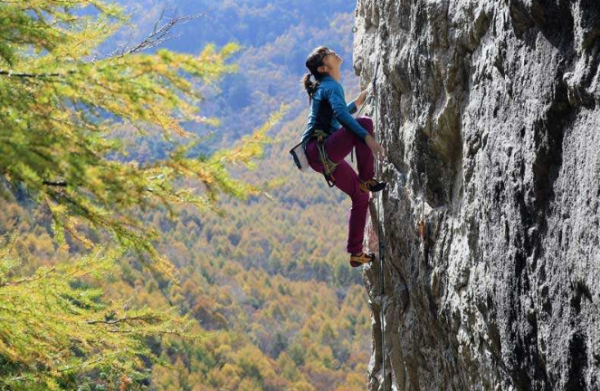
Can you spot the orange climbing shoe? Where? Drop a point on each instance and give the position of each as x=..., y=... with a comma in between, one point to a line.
x=361, y=258
x=371, y=185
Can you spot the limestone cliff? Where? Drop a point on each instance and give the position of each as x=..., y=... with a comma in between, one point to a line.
x=490, y=114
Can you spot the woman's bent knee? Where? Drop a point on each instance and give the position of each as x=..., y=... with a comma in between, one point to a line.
x=366, y=122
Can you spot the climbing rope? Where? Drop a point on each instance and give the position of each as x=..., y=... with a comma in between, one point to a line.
x=380, y=240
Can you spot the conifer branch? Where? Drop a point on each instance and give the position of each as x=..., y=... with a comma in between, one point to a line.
x=125, y=319
x=11, y=73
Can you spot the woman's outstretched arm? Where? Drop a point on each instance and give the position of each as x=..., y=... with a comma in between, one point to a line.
x=342, y=112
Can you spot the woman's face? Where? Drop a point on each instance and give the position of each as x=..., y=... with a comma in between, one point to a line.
x=331, y=63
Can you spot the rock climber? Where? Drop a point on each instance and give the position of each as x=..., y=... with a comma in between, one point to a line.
x=331, y=125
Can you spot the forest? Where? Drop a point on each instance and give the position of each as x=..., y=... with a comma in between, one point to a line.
x=155, y=234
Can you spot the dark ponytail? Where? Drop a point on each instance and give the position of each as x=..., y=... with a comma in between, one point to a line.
x=313, y=62
x=309, y=86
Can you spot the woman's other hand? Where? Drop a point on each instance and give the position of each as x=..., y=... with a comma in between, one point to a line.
x=378, y=151
x=361, y=98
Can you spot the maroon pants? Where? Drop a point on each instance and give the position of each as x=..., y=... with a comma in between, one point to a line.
x=338, y=146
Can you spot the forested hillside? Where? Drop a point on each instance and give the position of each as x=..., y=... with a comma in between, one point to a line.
x=261, y=296
x=270, y=279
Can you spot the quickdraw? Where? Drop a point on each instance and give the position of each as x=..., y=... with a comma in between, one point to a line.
x=328, y=165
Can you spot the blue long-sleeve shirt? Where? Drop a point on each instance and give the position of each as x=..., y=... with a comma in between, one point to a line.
x=329, y=111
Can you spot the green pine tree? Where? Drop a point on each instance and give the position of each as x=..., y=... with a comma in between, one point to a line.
x=62, y=104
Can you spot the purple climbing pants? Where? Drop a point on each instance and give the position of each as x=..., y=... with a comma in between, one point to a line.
x=338, y=146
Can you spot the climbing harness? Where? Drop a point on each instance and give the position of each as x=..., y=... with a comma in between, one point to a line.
x=328, y=165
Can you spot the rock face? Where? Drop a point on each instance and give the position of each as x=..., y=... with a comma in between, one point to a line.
x=490, y=113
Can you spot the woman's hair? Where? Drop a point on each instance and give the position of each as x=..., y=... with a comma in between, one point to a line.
x=313, y=62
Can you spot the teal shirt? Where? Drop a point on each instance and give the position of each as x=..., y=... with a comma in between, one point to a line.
x=329, y=111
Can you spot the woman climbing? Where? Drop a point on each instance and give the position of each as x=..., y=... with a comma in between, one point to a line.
x=330, y=135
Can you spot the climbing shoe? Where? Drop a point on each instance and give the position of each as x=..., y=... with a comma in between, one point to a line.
x=371, y=185
x=361, y=258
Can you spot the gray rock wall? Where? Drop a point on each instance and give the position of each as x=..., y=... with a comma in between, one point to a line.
x=490, y=113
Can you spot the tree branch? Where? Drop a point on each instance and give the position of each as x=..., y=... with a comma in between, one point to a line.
x=159, y=34
x=10, y=73
x=121, y=320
